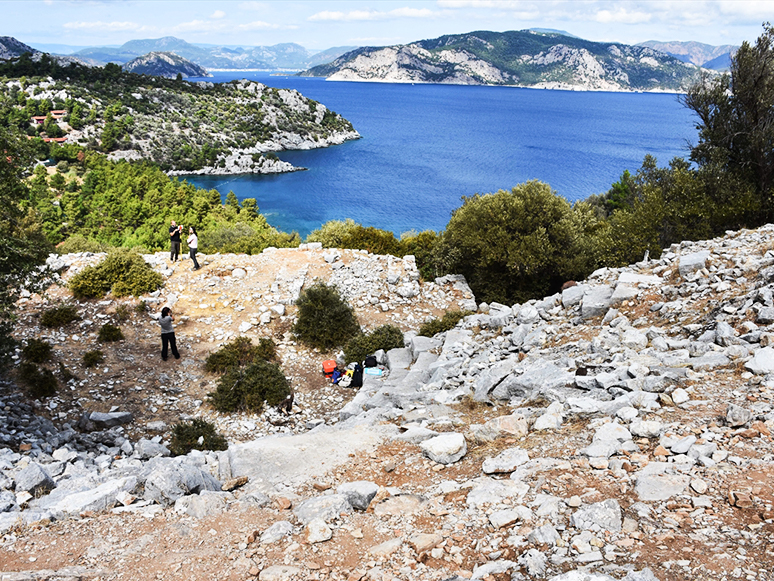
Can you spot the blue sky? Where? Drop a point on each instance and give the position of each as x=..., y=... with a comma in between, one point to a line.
x=322, y=24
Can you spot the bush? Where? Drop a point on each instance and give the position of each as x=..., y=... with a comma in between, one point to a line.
x=385, y=337
x=123, y=312
x=448, y=321
x=65, y=373
x=332, y=233
x=325, y=320
x=123, y=272
x=79, y=243
x=109, y=333
x=197, y=434
x=373, y=240
x=37, y=351
x=59, y=316
x=239, y=353
x=517, y=245
x=40, y=381
x=246, y=389
x=93, y=358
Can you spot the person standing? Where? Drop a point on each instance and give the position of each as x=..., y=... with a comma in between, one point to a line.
x=193, y=244
x=174, y=240
x=168, y=334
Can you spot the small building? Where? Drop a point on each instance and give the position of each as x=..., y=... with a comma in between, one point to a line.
x=38, y=120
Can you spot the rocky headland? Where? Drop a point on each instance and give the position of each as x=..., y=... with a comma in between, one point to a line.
x=524, y=58
x=620, y=429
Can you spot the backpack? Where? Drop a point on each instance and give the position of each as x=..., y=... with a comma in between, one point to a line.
x=357, y=376
x=370, y=361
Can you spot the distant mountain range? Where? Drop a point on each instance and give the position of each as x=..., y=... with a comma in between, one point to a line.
x=703, y=55
x=526, y=58
x=278, y=56
x=164, y=64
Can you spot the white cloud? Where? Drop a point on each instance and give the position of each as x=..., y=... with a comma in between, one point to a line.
x=622, y=16
x=217, y=14
x=199, y=26
x=502, y=4
x=258, y=25
x=363, y=15
x=102, y=25
x=749, y=9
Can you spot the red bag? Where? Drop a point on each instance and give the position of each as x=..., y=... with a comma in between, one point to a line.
x=328, y=367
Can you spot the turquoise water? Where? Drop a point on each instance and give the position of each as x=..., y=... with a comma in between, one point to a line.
x=426, y=146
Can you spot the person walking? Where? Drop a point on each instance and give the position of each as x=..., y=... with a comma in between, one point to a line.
x=193, y=244
x=174, y=241
x=167, y=334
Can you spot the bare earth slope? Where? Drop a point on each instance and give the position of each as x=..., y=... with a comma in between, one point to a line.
x=618, y=430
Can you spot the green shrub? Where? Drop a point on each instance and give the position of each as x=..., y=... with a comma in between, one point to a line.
x=246, y=389
x=197, y=434
x=79, y=243
x=40, y=381
x=65, y=373
x=93, y=358
x=448, y=321
x=59, y=316
x=421, y=246
x=123, y=312
x=124, y=272
x=110, y=333
x=37, y=351
x=516, y=245
x=141, y=307
x=240, y=352
x=385, y=337
x=373, y=240
x=325, y=320
x=332, y=233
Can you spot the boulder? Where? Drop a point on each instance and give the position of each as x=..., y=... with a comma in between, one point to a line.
x=505, y=461
x=34, y=479
x=600, y=516
x=322, y=507
x=359, y=493
x=446, y=448
x=201, y=505
x=596, y=301
x=690, y=263
x=170, y=480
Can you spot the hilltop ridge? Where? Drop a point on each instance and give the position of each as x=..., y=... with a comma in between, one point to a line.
x=516, y=58
x=617, y=430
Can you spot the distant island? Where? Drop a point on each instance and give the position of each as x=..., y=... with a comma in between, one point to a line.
x=165, y=64
x=527, y=58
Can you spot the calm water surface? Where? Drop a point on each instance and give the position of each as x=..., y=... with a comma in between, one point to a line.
x=426, y=146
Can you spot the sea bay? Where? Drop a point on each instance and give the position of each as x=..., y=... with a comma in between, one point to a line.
x=423, y=147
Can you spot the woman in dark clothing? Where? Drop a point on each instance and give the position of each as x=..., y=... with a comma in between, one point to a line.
x=167, y=334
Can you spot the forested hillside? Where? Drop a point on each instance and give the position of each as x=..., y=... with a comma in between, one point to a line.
x=206, y=127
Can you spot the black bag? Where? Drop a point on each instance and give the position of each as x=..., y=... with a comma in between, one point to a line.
x=357, y=376
x=370, y=361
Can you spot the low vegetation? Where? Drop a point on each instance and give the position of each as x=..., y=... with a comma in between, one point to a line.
x=123, y=272
x=37, y=351
x=59, y=316
x=239, y=353
x=40, y=382
x=445, y=323
x=325, y=319
x=93, y=358
x=249, y=388
x=197, y=434
x=110, y=334
x=385, y=337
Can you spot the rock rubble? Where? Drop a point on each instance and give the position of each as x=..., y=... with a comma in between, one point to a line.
x=620, y=429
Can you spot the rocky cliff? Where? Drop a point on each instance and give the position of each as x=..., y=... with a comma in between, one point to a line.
x=523, y=59
x=618, y=430
x=165, y=64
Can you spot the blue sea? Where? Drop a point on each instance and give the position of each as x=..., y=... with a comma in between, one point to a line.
x=426, y=146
